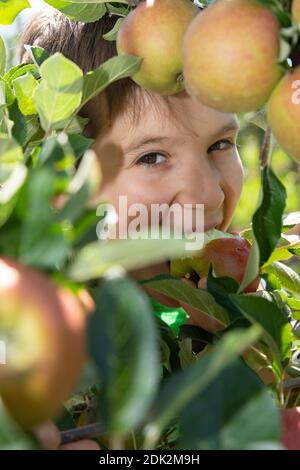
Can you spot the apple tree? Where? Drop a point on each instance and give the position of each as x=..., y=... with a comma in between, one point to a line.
x=83, y=344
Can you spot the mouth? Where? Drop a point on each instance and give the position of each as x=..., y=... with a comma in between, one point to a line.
x=207, y=227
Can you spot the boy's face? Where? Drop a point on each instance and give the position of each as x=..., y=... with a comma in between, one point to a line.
x=193, y=159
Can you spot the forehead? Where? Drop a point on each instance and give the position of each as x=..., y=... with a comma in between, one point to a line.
x=169, y=116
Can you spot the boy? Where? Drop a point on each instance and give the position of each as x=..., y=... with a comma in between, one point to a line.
x=195, y=160
x=153, y=149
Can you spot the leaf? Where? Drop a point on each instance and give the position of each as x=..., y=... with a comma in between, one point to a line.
x=24, y=127
x=236, y=411
x=12, y=437
x=283, y=252
x=2, y=56
x=81, y=10
x=182, y=388
x=277, y=330
x=10, y=155
x=112, y=70
x=291, y=219
x=9, y=9
x=289, y=279
x=267, y=220
x=37, y=54
x=199, y=299
x=43, y=243
x=24, y=87
x=124, y=345
x=96, y=258
x=113, y=33
x=13, y=183
x=20, y=70
x=60, y=91
x=252, y=267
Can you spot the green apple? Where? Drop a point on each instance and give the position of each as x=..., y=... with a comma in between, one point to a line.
x=43, y=328
x=154, y=30
x=230, y=55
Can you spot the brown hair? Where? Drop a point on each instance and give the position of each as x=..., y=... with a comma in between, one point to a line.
x=83, y=44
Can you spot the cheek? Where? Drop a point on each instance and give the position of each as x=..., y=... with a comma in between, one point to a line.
x=141, y=187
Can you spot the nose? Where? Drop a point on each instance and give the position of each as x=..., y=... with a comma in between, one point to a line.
x=199, y=181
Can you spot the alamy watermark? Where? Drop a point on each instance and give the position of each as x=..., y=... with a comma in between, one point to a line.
x=138, y=221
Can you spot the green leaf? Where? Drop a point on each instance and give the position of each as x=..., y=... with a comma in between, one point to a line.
x=86, y=11
x=9, y=192
x=43, y=243
x=221, y=420
x=112, y=70
x=24, y=127
x=2, y=56
x=252, y=268
x=199, y=299
x=182, y=388
x=289, y=279
x=12, y=437
x=38, y=54
x=24, y=87
x=96, y=258
x=291, y=219
x=283, y=252
x=60, y=91
x=10, y=155
x=9, y=9
x=267, y=220
x=277, y=329
x=20, y=70
x=113, y=33
x=124, y=345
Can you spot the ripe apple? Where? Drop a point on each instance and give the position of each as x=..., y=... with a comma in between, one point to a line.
x=296, y=11
x=43, y=327
x=283, y=113
x=230, y=55
x=228, y=257
x=154, y=30
x=290, y=419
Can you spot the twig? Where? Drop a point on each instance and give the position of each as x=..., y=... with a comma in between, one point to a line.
x=266, y=148
x=291, y=384
x=83, y=432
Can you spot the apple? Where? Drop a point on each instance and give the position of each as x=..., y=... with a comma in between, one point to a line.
x=228, y=257
x=154, y=30
x=43, y=327
x=296, y=11
x=230, y=55
x=290, y=419
x=283, y=113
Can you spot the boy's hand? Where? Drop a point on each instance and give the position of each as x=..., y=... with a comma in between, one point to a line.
x=49, y=437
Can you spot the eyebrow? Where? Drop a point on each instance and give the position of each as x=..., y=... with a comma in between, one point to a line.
x=142, y=141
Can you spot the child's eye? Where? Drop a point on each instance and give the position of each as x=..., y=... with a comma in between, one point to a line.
x=151, y=159
x=224, y=144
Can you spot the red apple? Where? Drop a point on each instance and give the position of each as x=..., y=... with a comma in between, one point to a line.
x=228, y=257
x=43, y=327
x=290, y=418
